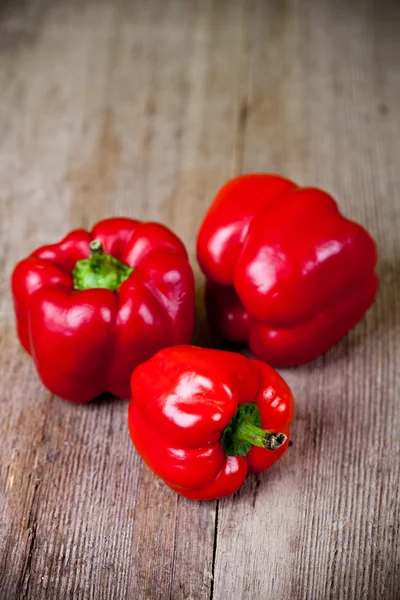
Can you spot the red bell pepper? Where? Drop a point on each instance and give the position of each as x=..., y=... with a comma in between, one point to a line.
x=201, y=419
x=92, y=307
x=287, y=272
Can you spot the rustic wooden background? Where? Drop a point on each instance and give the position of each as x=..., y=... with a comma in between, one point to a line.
x=144, y=109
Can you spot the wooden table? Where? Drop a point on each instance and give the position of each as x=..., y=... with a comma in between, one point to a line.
x=144, y=109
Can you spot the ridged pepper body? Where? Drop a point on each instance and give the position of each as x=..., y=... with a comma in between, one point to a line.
x=286, y=271
x=87, y=341
x=183, y=400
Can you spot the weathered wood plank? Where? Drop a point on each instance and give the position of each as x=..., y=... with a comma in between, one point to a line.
x=324, y=109
x=110, y=108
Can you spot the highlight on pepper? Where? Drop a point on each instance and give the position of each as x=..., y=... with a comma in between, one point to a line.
x=286, y=272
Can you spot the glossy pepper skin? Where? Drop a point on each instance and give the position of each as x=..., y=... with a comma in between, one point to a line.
x=287, y=272
x=195, y=415
x=87, y=322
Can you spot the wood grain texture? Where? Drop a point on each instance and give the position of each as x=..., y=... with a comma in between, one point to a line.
x=144, y=109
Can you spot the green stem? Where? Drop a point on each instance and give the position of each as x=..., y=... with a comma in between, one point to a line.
x=96, y=248
x=244, y=431
x=247, y=432
x=100, y=270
